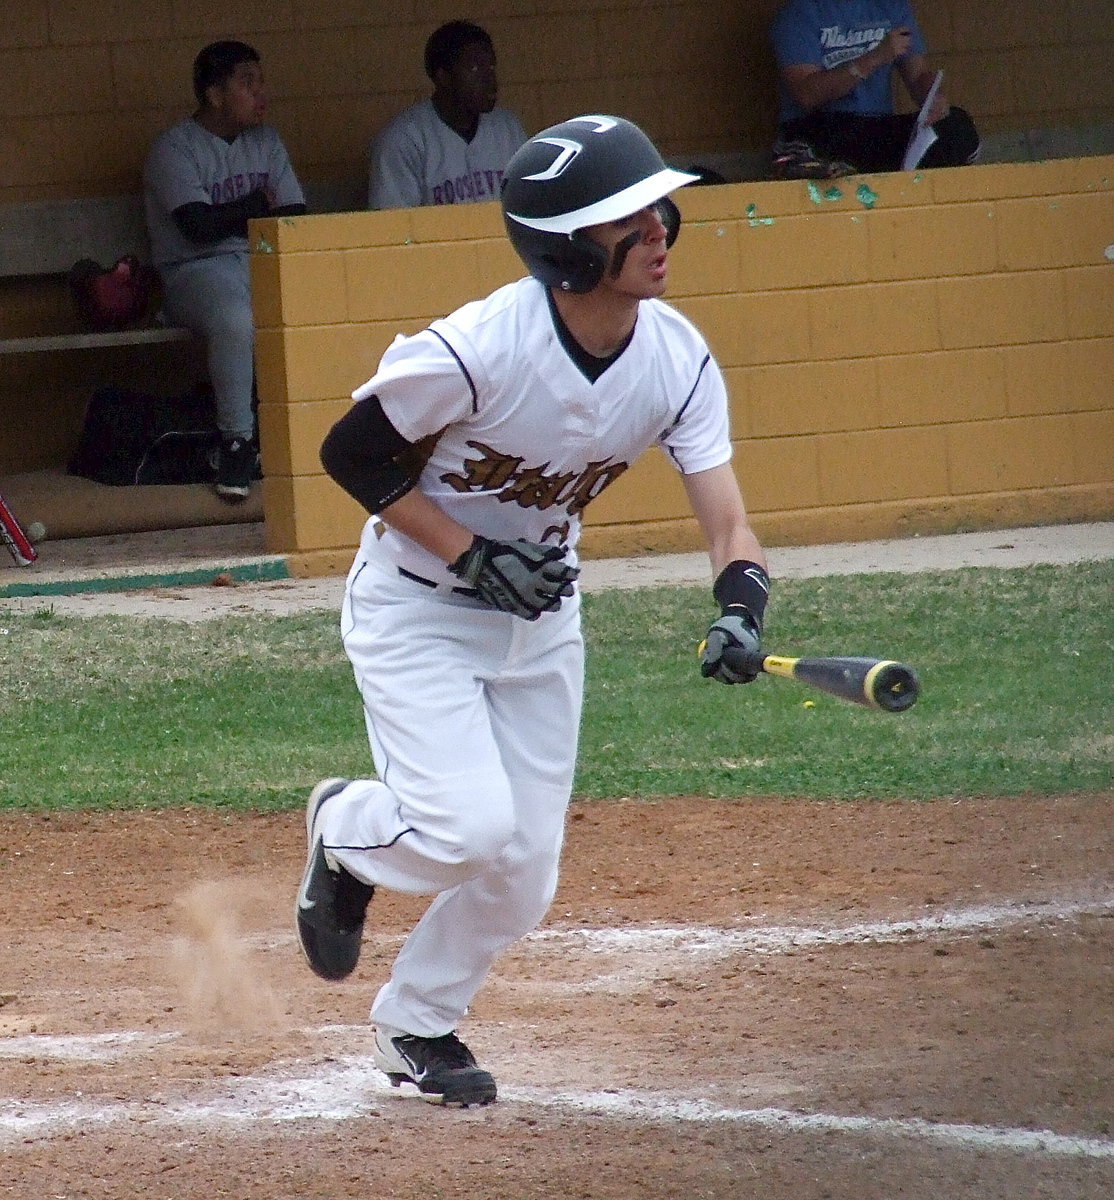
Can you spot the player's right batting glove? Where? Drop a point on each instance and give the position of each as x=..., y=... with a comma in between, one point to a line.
x=732, y=651
x=519, y=577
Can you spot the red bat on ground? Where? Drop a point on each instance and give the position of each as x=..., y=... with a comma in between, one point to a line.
x=15, y=537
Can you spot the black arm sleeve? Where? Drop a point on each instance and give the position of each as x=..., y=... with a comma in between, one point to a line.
x=743, y=584
x=369, y=458
x=208, y=223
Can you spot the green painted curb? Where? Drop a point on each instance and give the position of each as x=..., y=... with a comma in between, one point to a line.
x=243, y=573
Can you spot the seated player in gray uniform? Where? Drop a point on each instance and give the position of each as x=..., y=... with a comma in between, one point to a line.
x=476, y=447
x=451, y=148
x=205, y=177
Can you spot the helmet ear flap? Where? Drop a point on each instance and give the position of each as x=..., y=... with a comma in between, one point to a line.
x=670, y=216
x=591, y=262
x=571, y=262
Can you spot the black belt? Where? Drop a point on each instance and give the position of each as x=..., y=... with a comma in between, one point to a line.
x=429, y=583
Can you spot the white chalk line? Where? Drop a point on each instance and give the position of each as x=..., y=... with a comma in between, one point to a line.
x=93, y=1047
x=346, y=1089
x=777, y=939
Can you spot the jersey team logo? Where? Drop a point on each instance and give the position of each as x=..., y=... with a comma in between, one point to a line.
x=532, y=487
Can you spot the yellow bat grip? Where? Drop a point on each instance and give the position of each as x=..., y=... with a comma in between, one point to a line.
x=777, y=664
x=784, y=665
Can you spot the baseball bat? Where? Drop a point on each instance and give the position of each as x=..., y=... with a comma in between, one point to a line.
x=14, y=537
x=873, y=682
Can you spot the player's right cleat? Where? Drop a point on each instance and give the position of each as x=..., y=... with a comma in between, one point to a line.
x=331, y=902
x=443, y=1069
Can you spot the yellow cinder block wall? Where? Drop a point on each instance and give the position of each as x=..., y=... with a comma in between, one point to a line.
x=337, y=73
x=906, y=353
x=90, y=94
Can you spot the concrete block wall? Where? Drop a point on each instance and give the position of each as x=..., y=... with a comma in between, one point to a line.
x=915, y=352
x=91, y=84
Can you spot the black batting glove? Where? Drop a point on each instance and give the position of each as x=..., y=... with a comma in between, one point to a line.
x=732, y=650
x=523, y=578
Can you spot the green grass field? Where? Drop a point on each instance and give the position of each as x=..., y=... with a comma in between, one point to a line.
x=248, y=712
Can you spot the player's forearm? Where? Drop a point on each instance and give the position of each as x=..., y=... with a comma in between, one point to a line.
x=818, y=88
x=740, y=544
x=426, y=523
x=209, y=223
x=721, y=514
x=919, y=84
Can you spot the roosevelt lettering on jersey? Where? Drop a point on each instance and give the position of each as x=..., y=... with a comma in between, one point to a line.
x=232, y=187
x=465, y=189
x=532, y=487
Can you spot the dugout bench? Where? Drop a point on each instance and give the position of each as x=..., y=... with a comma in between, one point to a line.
x=46, y=237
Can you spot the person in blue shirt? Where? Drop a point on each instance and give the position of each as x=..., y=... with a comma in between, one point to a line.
x=836, y=61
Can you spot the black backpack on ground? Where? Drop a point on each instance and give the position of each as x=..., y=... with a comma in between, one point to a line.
x=131, y=438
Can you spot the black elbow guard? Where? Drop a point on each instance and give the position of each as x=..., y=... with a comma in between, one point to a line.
x=386, y=485
x=369, y=458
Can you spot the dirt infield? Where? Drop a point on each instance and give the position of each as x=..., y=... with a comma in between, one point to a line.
x=780, y=1000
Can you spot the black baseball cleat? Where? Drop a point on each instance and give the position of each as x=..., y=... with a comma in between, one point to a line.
x=443, y=1069
x=236, y=461
x=331, y=902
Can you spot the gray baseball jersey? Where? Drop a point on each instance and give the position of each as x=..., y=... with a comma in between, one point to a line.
x=188, y=164
x=418, y=159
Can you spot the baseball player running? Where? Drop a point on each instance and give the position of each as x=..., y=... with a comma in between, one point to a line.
x=476, y=447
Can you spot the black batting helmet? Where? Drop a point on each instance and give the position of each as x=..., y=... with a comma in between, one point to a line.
x=582, y=172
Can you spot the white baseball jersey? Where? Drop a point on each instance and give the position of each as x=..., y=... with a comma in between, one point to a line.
x=187, y=164
x=419, y=160
x=527, y=440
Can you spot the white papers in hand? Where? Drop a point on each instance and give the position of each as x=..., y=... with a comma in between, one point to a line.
x=923, y=135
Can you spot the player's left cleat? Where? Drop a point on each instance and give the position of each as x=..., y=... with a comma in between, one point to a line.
x=443, y=1069
x=331, y=902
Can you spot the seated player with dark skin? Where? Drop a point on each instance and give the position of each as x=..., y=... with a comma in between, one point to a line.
x=452, y=147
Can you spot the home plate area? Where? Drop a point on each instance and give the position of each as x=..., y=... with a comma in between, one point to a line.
x=727, y=999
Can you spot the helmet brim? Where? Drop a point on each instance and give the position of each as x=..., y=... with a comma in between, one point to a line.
x=630, y=200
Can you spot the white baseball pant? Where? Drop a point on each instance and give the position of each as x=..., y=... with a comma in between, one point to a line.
x=473, y=717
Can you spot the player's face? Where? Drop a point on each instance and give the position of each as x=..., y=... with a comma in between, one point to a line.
x=473, y=80
x=637, y=253
x=241, y=99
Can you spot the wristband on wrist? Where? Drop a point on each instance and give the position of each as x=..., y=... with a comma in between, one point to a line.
x=745, y=584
